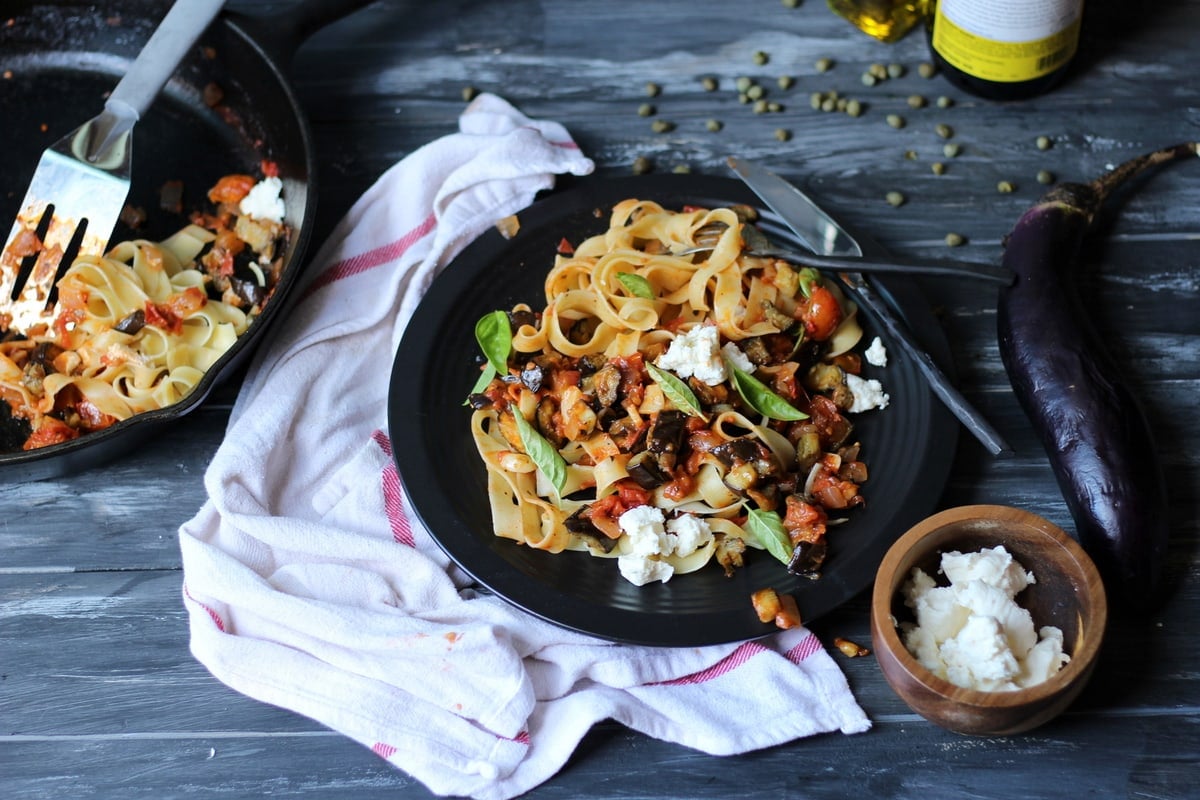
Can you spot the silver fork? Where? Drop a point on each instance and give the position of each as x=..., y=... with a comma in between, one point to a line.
x=756, y=243
x=81, y=182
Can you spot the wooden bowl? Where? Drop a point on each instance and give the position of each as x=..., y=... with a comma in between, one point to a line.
x=1068, y=594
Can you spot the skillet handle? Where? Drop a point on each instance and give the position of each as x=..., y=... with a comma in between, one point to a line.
x=281, y=33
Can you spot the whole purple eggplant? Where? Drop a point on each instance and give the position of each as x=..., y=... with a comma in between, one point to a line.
x=1089, y=420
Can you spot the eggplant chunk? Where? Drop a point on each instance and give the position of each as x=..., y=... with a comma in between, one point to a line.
x=830, y=380
x=606, y=383
x=580, y=525
x=666, y=436
x=643, y=468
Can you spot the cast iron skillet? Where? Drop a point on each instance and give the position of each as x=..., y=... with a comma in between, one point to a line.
x=59, y=59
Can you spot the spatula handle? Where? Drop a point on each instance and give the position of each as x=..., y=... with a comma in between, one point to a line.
x=169, y=44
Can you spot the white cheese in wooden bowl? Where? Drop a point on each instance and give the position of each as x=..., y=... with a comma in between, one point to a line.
x=973, y=632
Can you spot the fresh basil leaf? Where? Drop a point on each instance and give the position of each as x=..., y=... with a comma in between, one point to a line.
x=544, y=454
x=494, y=335
x=676, y=391
x=760, y=398
x=636, y=284
x=767, y=527
x=485, y=377
x=809, y=277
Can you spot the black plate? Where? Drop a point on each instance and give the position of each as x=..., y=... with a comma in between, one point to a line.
x=908, y=447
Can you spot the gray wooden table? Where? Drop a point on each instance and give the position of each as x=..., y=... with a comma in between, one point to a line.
x=99, y=696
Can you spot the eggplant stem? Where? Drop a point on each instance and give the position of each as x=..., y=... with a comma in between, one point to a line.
x=1105, y=184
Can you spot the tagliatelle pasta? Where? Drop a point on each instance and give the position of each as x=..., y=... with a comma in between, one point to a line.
x=137, y=329
x=670, y=410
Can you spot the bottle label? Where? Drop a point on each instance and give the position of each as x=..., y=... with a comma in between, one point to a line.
x=1007, y=41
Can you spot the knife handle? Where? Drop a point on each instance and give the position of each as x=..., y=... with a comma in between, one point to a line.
x=938, y=382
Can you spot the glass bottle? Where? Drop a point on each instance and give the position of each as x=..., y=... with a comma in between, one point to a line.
x=1004, y=49
x=886, y=20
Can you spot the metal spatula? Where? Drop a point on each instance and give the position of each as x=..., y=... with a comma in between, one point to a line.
x=81, y=182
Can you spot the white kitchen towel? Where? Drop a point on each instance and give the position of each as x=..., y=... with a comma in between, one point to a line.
x=310, y=586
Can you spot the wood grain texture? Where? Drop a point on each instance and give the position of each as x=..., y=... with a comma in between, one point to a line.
x=99, y=696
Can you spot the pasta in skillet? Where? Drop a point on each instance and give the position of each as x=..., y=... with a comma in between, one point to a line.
x=136, y=329
x=669, y=411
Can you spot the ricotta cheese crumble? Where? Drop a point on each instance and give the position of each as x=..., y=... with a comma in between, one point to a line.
x=650, y=536
x=972, y=632
x=696, y=353
x=264, y=201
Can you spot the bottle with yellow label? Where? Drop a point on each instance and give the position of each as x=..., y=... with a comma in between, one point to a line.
x=1004, y=49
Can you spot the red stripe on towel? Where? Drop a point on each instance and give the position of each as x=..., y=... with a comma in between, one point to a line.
x=383, y=750
x=727, y=664
x=372, y=258
x=216, y=618
x=520, y=738
x=808, y=646
x=393, y=496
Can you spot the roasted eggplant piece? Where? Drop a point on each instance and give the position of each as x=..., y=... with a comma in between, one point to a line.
x=830, y=380
x=644, y=469
x=666, y=437
x=807, y=558
x=581, y=525
x=606, y=384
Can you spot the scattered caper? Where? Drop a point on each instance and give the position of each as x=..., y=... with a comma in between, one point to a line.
x=681, y=169
x=943, y=130
x=743, y=83
x=743, y=98
x=469, y=93
x=791, y=3
x=1005, y=187
x=879, y=71
x=1044, y=143
x=755, y=92
x=868, y=79
x=823, y=64
x=910, y=155
x=895, y=70
x=774, y=108
x=783, y=134
x=709, y=84
x=916, y=101
x=955, y=239
x=761, y=107
x=937, y=167
x=841, y=103
x=1045, y=176
x=760, y=57
x=645, y=110
x=895, y=199
x=829, y=104
x=653, y=89
x=895, y=120
x=642, y=165
x=785, y=81
x=951, y=150
x=662, y=126
x=815, y=99
x=854, y=108
x=926, y=70
x=714, y=125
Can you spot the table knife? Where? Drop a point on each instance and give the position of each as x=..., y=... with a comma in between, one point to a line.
x=822, y=234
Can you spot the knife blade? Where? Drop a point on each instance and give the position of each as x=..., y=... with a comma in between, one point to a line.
x=822, y=234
